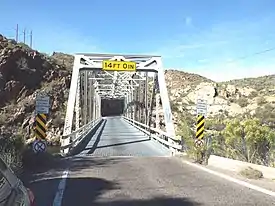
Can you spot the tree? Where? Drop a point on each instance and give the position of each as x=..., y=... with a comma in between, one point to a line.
x=186, y=133
x=243, y=102
x=249, y=141
x=266, y=114
x=214, y=124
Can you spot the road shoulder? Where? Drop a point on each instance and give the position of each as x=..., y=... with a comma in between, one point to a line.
x=264, y=183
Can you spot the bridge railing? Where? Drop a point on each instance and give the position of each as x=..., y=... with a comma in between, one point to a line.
x=77, y=136
x=156, y=134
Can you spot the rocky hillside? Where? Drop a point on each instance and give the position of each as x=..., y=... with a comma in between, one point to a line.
x=23, y=74
x=234, y=98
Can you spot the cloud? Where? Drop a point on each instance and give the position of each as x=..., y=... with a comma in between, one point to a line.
x=235, y=71
x=207, y=51
x=226, y=72
x=181, y=50
x=62, y=38
x=201, y=45
x=203, y=60
x=223, y=71
x=188, y=21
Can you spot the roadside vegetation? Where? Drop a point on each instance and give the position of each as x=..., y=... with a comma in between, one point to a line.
x=249, y=138
x=20, y=157
x=24, y=73
x=11, y=151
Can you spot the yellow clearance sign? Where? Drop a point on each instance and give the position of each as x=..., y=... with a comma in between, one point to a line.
x=109, y=65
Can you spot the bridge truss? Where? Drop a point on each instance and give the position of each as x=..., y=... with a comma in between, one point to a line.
x=90, y=84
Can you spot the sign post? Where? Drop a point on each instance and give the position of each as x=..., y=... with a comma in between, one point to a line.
x=201, y=114
x=41, y=110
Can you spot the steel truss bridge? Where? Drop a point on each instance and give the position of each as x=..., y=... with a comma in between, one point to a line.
x=139, y=99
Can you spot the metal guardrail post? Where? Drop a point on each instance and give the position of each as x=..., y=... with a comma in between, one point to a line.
x=182, y=144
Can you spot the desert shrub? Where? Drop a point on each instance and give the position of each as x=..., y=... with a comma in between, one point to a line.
x=243, y=102
x=11, y=149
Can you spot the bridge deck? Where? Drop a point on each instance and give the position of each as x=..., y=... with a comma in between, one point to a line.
x=116, y=137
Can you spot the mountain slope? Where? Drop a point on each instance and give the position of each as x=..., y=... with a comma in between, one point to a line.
x=23, y=74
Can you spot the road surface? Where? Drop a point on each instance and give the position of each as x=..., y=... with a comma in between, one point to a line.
x=116, y=173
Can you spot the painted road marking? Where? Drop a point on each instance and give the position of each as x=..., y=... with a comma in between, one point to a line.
x=60, y=191
x=231, y=179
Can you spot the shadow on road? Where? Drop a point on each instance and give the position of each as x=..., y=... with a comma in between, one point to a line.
x=80, y=163
x=93, y=148
x=74, y=164
x=87, y=191
x=45, y=164
x=157, y=201
x=119, y=144
x=82, y=145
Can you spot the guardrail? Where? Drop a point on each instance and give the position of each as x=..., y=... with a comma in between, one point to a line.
x=162, y=136
x=78, y=135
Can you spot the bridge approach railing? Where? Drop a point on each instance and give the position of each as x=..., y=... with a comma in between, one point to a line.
x=78, y=135
x=158, y=135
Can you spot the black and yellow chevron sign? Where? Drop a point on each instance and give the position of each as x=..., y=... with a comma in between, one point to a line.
x=200, y=127
x=40, y=126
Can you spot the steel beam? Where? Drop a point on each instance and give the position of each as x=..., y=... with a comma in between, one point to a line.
x=115, y=85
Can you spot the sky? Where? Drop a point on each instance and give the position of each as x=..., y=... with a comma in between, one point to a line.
x=218, y=39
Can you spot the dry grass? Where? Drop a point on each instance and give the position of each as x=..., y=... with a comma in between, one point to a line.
x=251, y=173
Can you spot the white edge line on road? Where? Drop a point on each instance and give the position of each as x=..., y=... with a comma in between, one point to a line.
x=60, y=191
x=231, y=179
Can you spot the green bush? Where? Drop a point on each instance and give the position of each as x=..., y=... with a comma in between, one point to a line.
x=253, y=94
x=246, y=140
x=23, y=45
x=266, y=115
x=188, y=138
x=11, y=149
x=261, y=101
x=251, y=173
x=243, y=102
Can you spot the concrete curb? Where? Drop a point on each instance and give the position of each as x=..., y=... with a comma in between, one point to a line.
x=231, y=179
x=237, y=166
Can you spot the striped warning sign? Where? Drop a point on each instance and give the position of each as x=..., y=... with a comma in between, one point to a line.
x=40, y=126
x=200, y=127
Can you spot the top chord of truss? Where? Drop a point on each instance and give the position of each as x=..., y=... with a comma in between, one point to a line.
x=146, y=63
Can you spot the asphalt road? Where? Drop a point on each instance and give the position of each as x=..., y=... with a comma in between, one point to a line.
x=116, y=137
x=103, y=175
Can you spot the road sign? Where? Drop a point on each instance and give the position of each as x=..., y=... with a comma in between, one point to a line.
x=40, y=126
x=200, y=127
x=202, y=107
x=42, y=104
x=199, y=142
x=39, y=146
x=111, y=65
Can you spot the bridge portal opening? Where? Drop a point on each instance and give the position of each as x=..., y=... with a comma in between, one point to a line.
x=112, y=107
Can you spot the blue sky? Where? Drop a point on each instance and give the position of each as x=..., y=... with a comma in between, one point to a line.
x=198, y=36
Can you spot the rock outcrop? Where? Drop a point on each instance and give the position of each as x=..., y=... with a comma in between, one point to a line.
x=225, y=99
x=24, y=73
